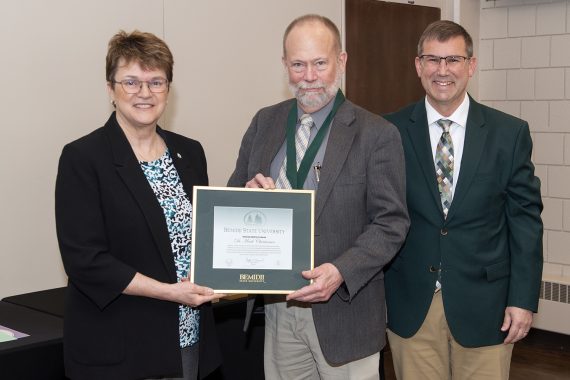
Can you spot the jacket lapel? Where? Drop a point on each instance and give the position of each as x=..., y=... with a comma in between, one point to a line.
x=274, y=138
x=183, y=165
x=419, y=136
x=132, y=175
x=475, y=137
x=338, y=146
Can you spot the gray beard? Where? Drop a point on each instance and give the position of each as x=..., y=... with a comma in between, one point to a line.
x=315, y=101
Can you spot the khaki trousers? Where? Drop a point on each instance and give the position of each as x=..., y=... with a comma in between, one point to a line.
x=292, y=349
x=433, y=354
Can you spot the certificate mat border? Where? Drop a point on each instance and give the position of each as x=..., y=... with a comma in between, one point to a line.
x=205, y=198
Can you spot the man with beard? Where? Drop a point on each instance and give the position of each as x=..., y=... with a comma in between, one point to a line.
x=333, y=328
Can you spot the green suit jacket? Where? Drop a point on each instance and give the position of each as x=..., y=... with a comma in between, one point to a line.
x=490, y=245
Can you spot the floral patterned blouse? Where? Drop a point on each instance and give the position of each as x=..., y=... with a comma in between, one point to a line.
x=165, y=182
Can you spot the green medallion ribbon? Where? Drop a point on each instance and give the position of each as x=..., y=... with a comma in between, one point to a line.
x=297, y=174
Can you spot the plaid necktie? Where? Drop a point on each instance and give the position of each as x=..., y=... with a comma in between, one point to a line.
x=444, y=165
x=301, y=143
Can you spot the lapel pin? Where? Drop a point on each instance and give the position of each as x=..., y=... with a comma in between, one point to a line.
x=179, y=155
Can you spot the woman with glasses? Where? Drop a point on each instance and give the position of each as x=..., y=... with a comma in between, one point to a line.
x=124, y=217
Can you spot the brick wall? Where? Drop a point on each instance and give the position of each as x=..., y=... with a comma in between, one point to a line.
x=524, y=70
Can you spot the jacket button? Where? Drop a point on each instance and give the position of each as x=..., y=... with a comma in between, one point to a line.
x=443, y=231
x=432, y=269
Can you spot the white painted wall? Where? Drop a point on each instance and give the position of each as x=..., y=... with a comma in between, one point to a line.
x=227, y=65
x=53, y=91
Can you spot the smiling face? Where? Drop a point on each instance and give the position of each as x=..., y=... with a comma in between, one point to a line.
x=445, y=86
x=314, y=65
x=140, y=110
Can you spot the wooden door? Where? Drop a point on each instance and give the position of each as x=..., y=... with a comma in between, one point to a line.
x=381, y=42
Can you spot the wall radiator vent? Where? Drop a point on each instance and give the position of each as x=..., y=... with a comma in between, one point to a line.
x=554, y=305
x=553, y=291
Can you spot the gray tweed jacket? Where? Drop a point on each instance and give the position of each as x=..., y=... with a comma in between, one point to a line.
x=361, y=218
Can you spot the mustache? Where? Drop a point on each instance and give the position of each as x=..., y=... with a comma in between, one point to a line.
x=309, y=86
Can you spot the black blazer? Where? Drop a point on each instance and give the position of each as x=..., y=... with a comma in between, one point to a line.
x=110, y=226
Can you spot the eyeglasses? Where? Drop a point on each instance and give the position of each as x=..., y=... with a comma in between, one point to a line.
x=133, y=86
x=301, y=67
x=451, y=60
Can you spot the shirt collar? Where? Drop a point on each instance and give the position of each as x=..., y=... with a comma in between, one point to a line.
x=459, y=116
x=319, y=116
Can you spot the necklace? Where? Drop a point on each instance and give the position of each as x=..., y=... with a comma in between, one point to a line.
x=155, y=150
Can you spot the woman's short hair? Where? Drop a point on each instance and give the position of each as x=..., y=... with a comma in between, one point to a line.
x=145, y=48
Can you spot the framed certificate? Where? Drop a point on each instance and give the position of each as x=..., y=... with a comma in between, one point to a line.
x=251, y=240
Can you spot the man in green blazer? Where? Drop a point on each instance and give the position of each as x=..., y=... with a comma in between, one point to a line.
x=466, y=282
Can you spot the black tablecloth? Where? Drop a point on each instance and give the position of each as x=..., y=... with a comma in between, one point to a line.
x=38, y=356
x=51, y=301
